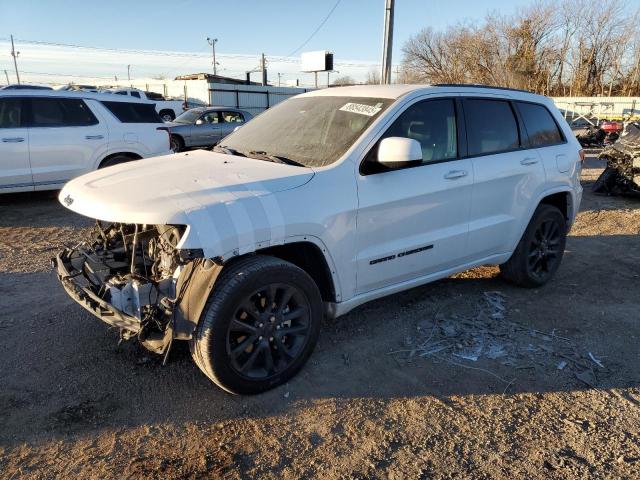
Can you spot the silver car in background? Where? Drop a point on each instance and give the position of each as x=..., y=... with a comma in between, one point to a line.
x=205, y=126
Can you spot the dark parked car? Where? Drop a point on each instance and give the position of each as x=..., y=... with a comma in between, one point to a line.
x=205, y=126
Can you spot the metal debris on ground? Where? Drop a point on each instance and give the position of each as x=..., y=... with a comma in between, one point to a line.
x=487, y=334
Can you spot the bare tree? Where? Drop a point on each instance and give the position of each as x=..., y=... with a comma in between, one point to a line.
x=342, y=81
x=586, y=47
x=373, y=77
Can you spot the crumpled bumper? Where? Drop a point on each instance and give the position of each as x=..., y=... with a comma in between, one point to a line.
x=73, y=271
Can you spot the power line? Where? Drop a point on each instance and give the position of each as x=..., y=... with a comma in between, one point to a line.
x=126, y=50
x=316, y=30
x=283, y=59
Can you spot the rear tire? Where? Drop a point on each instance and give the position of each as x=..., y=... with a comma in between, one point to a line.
x=117, y=160
x=259, y=326
x=539, y=252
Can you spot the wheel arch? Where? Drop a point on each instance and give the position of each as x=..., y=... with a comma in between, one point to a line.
x=179, y=136
x=131, y=155
x=309, y=257
x=561, y=200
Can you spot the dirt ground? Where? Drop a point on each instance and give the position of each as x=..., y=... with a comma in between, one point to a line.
x=377, y=399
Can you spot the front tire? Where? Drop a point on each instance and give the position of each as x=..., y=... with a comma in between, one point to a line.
x=539, y=252
x=259, y=326
x=176, y=144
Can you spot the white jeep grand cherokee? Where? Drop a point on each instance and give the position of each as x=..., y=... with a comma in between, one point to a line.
x=324, y=202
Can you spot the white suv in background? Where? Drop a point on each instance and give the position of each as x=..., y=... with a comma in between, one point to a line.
x=50, y=137
x=328, y=200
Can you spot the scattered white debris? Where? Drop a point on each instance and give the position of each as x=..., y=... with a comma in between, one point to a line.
x=561, y=365
x=595, y=360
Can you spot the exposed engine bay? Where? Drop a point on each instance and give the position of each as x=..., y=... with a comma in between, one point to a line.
x=135, y=278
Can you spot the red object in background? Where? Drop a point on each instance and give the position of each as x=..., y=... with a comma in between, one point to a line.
x=611, y=126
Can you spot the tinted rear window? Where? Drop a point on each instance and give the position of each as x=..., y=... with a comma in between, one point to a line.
x=60, y=112
x=541, y=127
x=11, y=112
x=491, y=126
x=133, y=112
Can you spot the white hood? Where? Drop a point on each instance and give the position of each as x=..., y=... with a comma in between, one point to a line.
x=162, y=190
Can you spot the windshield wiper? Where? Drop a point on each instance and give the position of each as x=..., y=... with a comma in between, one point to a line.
x=274, y=158
x=228, y=151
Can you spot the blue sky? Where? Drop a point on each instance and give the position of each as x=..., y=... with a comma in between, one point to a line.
x=250, y=27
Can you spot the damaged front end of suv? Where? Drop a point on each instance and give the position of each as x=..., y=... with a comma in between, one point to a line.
x=134, y=278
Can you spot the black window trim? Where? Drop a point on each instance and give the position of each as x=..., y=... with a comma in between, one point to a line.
x=461, y=135
x=562, y=135
x=28, y=109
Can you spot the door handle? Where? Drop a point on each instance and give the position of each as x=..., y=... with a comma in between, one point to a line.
x=529, y=161
x=13, y=140
x=94, y=137
x=453, y=174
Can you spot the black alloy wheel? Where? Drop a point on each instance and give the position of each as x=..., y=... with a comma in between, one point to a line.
x=539, y=252
x=268, y=331
x=544, y=249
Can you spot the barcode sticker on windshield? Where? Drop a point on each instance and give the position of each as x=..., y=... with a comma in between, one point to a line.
x=368, y=110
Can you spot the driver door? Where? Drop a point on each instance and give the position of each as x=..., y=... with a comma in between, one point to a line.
x=207, y=131
x=414, y=221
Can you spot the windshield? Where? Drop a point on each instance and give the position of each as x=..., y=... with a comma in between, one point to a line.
x=311, y=131
x=190, y=116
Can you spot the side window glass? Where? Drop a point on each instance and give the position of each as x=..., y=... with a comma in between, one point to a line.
x=491, y=126
x=232, y=117
x=432, y=123
x=61, y=112
x=135, y=94
x=121, y=93
x=11, y=113
x=210, y=118
x=541, y=127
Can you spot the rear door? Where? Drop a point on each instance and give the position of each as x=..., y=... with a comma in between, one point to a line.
x=545, y=136
x=414, y=221
x=507, y=176
x=15, y=171
x=207, y=130
x=230, y=121
x=64, y=136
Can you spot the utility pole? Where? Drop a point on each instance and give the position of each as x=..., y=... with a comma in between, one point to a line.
x=129, y=72
x=263, y=67
x=15, y=54
x=279, y=75
x=387, y=44
x=212, y=42
x=6, y=75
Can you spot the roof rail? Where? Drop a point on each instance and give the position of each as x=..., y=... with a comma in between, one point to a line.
x=479, y=85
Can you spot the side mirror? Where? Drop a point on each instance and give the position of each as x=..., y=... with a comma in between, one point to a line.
x=395, y=151
x=199, y=121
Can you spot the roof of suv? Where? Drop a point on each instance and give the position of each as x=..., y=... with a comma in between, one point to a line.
x=71, y=94
x=397, y=90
